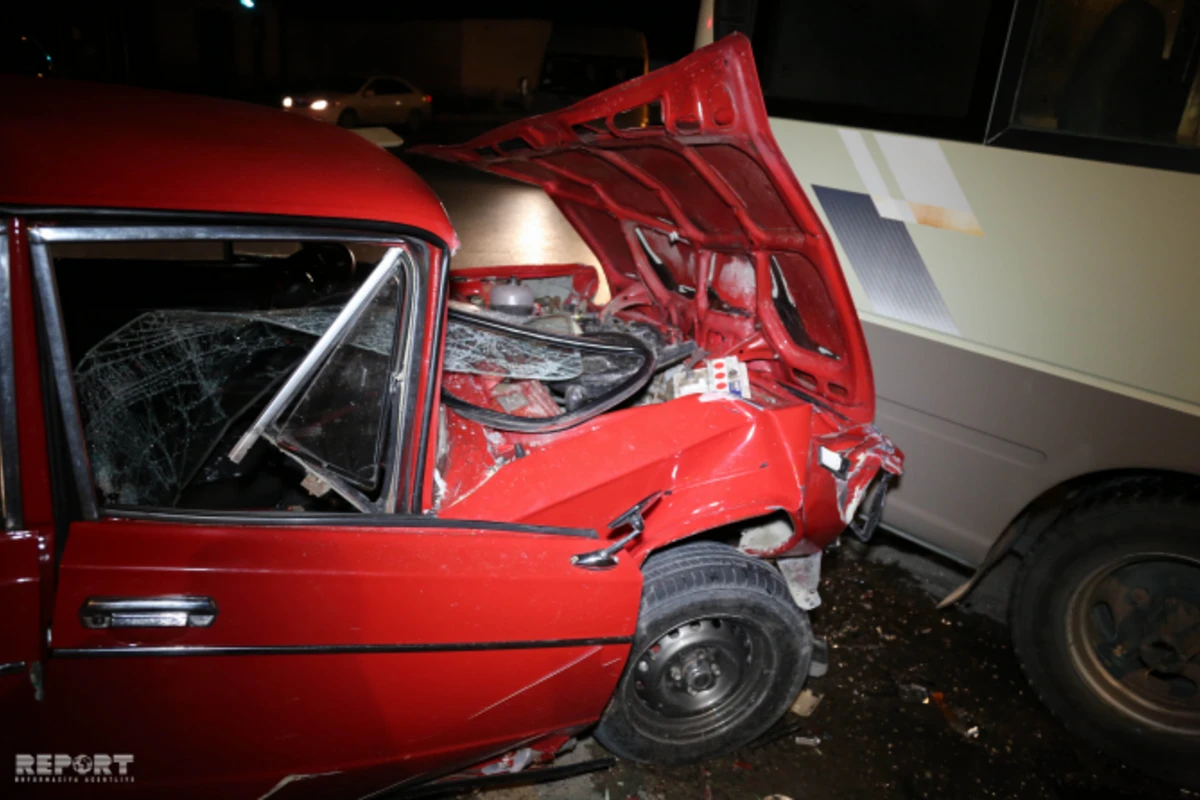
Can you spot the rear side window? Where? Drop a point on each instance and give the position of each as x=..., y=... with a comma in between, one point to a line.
x=178, y=348
x=389, y=86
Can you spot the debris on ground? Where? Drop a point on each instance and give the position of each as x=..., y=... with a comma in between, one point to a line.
x=912, y=693
x=881, y=729
x=806, y=703
x=784, y=728
x=953, y=718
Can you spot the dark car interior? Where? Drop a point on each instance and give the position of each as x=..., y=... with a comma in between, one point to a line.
x=166, y=383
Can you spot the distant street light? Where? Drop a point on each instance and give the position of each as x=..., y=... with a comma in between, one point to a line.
x=247, y=3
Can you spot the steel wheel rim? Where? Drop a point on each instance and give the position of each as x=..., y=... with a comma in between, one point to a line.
x=706, y=674
x=1133, y=633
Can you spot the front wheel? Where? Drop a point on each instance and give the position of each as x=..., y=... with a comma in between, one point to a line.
x=721, y=652
x=348, y=118
x=1106, y=623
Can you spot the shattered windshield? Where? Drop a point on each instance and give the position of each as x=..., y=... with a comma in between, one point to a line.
x=158, y=393
x=480, y=351
x=172, y=373
x=336, y=422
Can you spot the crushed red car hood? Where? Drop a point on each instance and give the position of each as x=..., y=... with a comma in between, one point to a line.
x=676, y=183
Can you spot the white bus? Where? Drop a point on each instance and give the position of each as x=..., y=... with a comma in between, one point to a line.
x=1012, y=187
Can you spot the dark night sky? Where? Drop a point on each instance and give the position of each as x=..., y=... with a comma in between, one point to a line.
x=669, y=25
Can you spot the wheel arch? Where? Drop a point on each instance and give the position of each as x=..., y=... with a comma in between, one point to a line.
x=1040, y=513
x=782, y=525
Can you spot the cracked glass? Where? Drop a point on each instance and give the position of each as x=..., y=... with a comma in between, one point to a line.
x=178, y=346
x=338, y=420
x=478, y=351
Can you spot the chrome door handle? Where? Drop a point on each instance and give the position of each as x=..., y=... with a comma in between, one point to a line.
x=163, y=611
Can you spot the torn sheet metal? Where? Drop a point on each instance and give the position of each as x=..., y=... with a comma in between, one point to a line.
x=803, y=574
x=863, y=452
x=290, y=779
x=768, y=537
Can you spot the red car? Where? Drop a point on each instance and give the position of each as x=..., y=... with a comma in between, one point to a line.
x=293, y=510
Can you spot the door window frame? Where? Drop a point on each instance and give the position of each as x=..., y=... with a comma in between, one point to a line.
x=10, y=467
x=376, y=81
x=406, y=371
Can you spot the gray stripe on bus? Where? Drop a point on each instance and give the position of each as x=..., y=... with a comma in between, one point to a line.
x=886, y=261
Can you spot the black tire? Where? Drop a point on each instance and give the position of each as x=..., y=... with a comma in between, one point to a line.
x=415, y=120
x=706, y=606
x=1127, y=536
x=348, y=119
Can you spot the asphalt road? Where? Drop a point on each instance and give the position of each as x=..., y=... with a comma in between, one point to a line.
x=879, y=733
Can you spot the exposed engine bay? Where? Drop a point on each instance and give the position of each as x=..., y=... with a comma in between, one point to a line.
x=584, y=363
x=538, y=356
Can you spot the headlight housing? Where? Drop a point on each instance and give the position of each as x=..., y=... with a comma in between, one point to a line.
x=319, y=105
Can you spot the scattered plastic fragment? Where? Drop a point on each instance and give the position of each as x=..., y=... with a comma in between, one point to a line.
x=743, y=765
x=806, y=703
x=809, y=741
x=912, y=693
x=952, y=718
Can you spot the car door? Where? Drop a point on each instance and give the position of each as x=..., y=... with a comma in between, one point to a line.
x=366, y=651
x=375, y=102
x=390, y=100
x=200, y=652
x=25, y=535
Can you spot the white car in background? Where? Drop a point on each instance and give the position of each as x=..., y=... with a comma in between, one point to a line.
x=351, y=100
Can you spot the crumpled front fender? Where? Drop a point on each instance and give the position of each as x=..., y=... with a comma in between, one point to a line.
x=842, y=465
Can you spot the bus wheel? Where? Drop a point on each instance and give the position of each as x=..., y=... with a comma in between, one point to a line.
x=1106, y=623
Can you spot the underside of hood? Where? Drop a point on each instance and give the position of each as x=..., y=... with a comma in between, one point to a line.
x=676, y=183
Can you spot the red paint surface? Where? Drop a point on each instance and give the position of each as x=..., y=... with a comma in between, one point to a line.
x=250, y=720
x=119, y=147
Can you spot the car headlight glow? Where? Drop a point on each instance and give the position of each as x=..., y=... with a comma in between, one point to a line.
x=287, y=102
x=319, y=105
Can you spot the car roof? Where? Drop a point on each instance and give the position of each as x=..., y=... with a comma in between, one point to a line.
x=74, y=144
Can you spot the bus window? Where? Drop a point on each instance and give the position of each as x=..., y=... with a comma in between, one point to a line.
x=1120, y=69
x=916, y=59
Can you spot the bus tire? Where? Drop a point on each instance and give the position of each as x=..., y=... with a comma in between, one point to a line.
x=1100, y=618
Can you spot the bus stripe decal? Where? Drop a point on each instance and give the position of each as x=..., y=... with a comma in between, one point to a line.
x=886, y=261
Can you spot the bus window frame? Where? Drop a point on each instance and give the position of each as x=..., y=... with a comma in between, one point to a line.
x=991, y=116
x=971, y=127
x=1007, y=133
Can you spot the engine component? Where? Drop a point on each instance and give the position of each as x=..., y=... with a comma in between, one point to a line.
x=513, y=298
x=611, y=344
